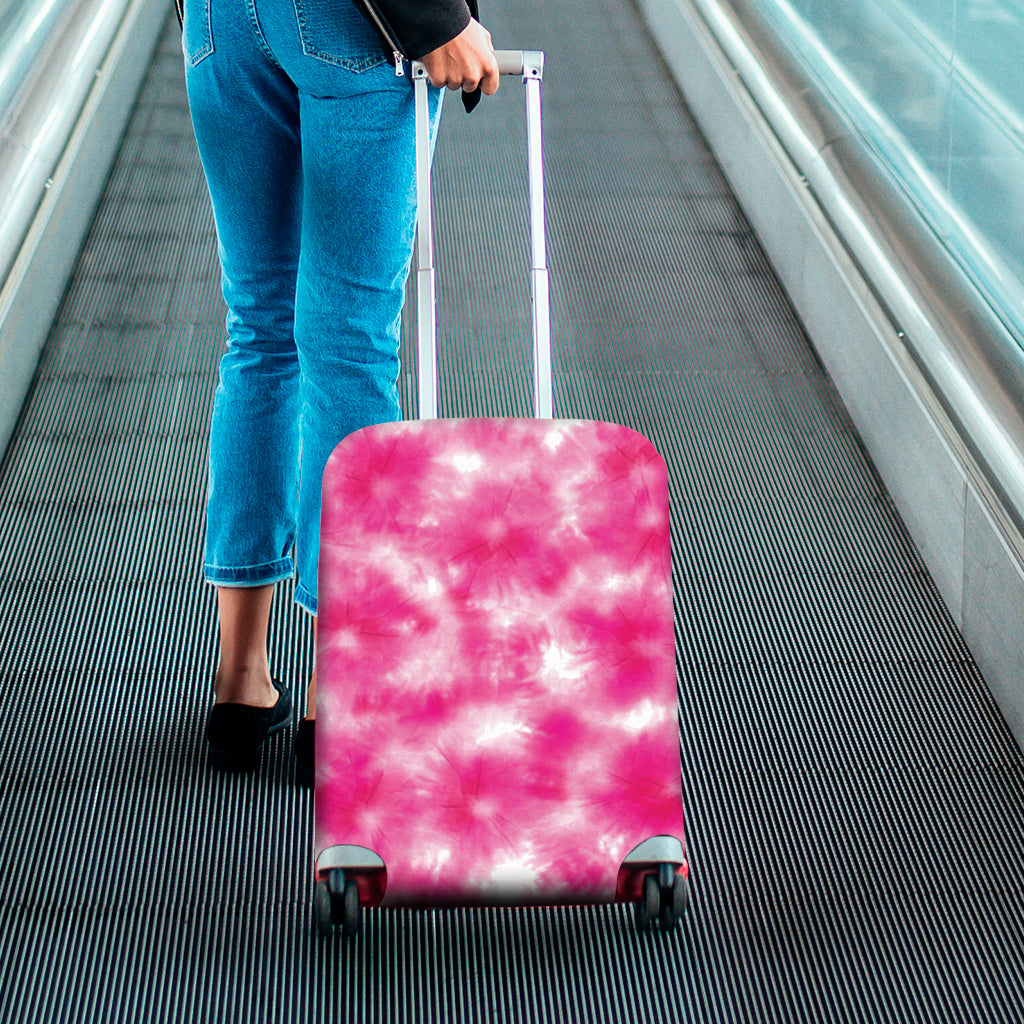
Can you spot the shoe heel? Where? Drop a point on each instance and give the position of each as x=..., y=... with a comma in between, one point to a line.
x=236, y=732
x=305, y=762
x=234, y=760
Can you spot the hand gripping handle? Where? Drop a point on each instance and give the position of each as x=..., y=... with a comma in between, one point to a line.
x=528, y=64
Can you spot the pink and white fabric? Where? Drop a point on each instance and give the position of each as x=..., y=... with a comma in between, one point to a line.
x=496, y=712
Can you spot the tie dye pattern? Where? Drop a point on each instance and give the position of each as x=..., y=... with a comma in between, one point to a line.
x=496, y=711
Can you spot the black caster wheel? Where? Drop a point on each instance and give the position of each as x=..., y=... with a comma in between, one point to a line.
x=674, y=901
x=351, y=915
x=322, y=909
x=649, y=905
x=683, y=895
x=335, y=879
x=344, y=901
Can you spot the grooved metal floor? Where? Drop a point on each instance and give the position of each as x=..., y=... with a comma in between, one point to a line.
x=856, y=804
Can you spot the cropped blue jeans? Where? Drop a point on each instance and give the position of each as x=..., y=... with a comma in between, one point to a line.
x=306, y=138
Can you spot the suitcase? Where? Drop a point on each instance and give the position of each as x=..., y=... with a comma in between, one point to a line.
x=496, y=700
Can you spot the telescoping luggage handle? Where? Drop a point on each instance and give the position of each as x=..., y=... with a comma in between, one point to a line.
x=529, y=64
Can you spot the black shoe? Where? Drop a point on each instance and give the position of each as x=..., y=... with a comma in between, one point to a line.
x=236, y=731
x=305, y=761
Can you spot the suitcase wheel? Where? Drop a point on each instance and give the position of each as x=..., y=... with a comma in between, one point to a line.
x=649, y=904
x=674, y=903
x=336, y=901
x=322, y=908
x=665, y=898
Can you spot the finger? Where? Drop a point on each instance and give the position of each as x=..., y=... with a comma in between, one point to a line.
x=434, y=68
x=475, y=73
x=491, y=79
x=448, y=76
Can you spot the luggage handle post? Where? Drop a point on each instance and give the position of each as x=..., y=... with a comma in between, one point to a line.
x=529, y=64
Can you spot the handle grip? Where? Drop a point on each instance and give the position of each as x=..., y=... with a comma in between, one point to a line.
x=524, y=63
x=528, y=63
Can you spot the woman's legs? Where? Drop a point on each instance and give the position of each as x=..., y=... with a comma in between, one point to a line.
x=245, y=116
x=309, y=163
x=243, y=674
x=357, y=234
x=311, y=692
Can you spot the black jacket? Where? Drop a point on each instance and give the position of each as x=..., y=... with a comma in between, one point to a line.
x=416, y=27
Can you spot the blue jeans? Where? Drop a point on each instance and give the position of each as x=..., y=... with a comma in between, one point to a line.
x=306, y=138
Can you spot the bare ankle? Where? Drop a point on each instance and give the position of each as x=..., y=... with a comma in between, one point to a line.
x=245, y=686
x=311, y=694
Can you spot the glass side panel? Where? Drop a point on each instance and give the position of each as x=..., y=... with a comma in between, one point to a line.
x=936, y=87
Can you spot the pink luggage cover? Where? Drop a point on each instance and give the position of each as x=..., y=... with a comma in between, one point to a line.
x=496, y=714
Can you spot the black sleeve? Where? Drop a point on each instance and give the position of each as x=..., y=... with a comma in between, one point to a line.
x=424, y=25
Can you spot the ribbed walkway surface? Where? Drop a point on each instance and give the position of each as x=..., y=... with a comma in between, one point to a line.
x=856, y=805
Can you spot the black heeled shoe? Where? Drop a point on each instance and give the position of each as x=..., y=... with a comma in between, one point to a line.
x=236, y=732
x=305, y=745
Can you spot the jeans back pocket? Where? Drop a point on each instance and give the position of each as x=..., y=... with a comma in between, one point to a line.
x=196, y=34
x=336, y=33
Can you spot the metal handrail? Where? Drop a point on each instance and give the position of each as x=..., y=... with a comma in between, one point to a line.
x=972, y=361
x=45, y=87
x=67, y=94
x=28, y=26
